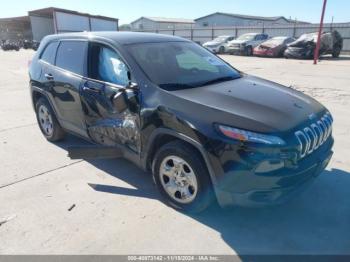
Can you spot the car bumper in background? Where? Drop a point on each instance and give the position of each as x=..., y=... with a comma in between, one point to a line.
x=235, y=50
x=262, y=52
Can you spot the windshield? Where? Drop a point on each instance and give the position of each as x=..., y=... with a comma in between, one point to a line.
x=180, y=65
x=220, y=39
x=276, y=40
x=247, y=37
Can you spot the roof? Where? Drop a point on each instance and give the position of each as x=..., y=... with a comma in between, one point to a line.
x=297, y=21
x=166, y=20
x=123, y=38
x=49, y=11
x=16, y=19
x=250, y=17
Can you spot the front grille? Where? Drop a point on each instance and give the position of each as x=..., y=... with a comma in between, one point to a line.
x=312, y=137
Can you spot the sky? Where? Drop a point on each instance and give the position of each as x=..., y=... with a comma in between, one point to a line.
x=129, y=10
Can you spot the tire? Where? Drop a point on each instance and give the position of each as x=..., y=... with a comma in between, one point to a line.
x=336, y=52
x=47, y=121
x=222, y=50
x=186, y=172
x=249, y=51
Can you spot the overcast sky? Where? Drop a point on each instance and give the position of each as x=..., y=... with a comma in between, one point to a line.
x=129, y=10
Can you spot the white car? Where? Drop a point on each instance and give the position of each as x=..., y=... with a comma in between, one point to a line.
x=245, y=44
x=219, y=44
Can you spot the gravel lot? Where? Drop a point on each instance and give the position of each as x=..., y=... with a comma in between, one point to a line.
x=118, y=210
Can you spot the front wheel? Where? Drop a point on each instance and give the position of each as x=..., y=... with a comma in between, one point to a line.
x=182, y=177
x=336, y=52
x=222, y=50
x=249, y=51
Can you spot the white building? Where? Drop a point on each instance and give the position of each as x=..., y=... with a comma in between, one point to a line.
x=55, y=20
x=228, y=20
x=159, y=23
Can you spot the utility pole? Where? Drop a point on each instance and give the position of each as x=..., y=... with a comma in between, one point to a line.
x=317, y=50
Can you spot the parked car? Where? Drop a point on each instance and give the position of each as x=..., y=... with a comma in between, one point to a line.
x=10, y=45
x=202, y=128
x=219, y=44
x=245, y=44
x=35, y=45
x=304, y=47
x=273, y=47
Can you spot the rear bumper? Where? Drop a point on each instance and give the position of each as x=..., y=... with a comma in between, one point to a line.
x=243, y=187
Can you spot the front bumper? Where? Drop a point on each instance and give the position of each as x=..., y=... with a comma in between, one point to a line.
x=299, y=53
x=236, y=49
x=241, y=185
x=263, y=52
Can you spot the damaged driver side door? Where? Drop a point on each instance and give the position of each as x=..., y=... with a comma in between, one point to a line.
x=109, y=101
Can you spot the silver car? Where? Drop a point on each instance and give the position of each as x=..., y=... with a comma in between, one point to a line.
x=245, y=44
x=219, y=44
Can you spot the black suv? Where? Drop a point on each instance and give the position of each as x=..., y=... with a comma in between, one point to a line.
x=206, y=130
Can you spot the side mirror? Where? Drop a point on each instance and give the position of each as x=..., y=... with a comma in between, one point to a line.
x=120, y=101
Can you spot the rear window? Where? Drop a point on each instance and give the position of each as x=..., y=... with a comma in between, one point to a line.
x=71, y=56
x=49, y=53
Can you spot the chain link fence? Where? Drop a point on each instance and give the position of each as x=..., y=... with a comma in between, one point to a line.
x=205, y=34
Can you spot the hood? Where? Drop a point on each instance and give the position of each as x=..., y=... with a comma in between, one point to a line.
x=238, y=41
x=250, y=103
x=212, y=43
x=270, y=45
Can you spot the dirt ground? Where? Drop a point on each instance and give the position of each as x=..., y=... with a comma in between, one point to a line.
x=50, y=204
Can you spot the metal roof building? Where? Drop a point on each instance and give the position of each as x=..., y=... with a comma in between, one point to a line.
x=155, y=23
x=225, y=19
x=15, y=28
x=56, y=20
x=52, y=20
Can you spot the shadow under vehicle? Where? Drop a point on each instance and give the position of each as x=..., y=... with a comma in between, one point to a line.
x=314, y=223
x=304, y=47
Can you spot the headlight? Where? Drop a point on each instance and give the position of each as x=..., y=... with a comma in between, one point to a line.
x=248, y=136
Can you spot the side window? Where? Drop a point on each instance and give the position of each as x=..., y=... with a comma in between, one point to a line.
x=106, y=65
x=49, y=53
x=289, y=40
x=71, y=56
x=264, y=37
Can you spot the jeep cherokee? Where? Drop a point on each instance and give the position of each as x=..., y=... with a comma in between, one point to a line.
x=204, y=129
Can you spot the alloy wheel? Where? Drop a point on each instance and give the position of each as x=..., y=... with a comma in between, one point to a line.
x=45, y=120
x=178, y=179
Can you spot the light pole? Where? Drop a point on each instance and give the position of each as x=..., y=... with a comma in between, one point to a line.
x=317, y=50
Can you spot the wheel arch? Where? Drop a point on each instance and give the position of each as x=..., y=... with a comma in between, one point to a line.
x=38, y=93
x=162, y=136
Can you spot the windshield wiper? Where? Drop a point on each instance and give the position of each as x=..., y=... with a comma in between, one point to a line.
x=175, y=86
x=218, y=80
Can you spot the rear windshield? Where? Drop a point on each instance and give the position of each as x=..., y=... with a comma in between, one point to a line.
x=180, y=65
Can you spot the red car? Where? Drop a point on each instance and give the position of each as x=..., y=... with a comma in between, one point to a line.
x=274, y=47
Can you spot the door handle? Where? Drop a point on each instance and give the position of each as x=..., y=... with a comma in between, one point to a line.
x=91, y=89
x=49, y=77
